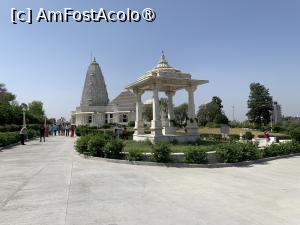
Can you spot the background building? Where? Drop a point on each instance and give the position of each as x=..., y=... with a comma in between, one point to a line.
x=276, y=113
x=95, y=108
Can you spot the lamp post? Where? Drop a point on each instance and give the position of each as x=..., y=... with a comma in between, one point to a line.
x=24, y=117
x=271, y=122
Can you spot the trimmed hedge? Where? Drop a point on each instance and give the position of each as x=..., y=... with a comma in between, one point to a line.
x=17, y=128
x=277, y=136
x=238, y=152
x=234, y=137
x=196, y=155
x=83, y=131
x=8, y=138
x=211, y=137
x=281, y=149
x=99, y=146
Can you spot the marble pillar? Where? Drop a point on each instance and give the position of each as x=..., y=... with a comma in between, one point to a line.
x=139, y=123
x=156, y=127
x=169, y=128
x=192, y=127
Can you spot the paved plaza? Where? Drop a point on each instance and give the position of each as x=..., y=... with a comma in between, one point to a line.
x=48, y=184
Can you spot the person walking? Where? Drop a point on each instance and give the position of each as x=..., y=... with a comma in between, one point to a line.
x=55, y=129
x=67, y=130
x=42, y=133
x=72, y=130
x=63, y=129
x=23, y=134
x=47, y=130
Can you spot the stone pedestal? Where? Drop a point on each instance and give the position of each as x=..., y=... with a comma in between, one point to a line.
x=139, y=128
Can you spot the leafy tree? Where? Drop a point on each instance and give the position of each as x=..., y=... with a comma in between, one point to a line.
x=181, y=114
x=6, y=109
x=2, y=88
x=5, y=96
x=11, y=111
x=260, y=105
x=202, y=115
x=36, y=111
x=212, y=113
x=148, y=112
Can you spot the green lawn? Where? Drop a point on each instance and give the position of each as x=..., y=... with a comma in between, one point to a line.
x=146, y=146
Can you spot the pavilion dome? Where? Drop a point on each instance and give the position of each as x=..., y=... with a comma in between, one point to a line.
x=165, y=70
x=94, y=91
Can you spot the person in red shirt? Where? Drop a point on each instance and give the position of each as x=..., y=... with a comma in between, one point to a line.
x=267, y=135
x=72, y=130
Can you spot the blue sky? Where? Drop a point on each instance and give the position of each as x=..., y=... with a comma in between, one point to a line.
x=231, y=43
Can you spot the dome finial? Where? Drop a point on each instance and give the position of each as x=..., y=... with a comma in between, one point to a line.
x=162, y=62
x=94, y=59
x=162, y=58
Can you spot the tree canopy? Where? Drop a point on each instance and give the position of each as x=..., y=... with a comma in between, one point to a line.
x=260, y=105
x=212, y=113
x=181, y=114
x=11, y=111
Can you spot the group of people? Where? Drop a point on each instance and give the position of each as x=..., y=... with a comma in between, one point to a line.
x=120, y=132
x=50, y=130
x=61, y=130
x=57, y=130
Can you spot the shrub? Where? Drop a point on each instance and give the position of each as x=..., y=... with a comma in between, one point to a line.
x=95, y=146
x=213, y=125
x=194, y=154
x=113, y=149
x=248, y=136
x=131, y=124
x=106, y=126
x=161, y=152
x=10, y=128
x=32, y=133
x=135, y=155
x=281, y=149
x=295, y=134
x=33, y=127
x=238, y=152
x=276, y=128
x=81, y=144
x=234, y=137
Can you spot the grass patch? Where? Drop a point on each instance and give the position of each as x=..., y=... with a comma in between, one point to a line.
x=146, y=147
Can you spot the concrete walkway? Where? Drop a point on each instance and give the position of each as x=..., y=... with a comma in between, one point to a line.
x=47, y=184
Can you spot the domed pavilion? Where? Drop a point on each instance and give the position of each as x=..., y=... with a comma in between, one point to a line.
x=164, y=78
